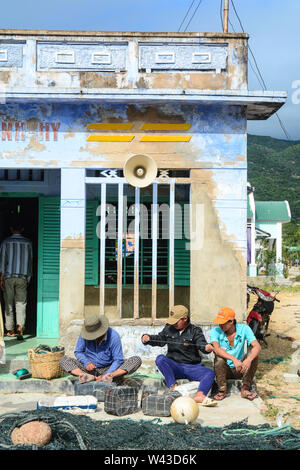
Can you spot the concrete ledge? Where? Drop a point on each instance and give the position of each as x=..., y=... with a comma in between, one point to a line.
x=10, y=384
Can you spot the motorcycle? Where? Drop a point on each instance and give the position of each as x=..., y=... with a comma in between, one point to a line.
x=259, y=316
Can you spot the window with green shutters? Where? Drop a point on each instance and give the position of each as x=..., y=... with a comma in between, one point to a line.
x=181, y=251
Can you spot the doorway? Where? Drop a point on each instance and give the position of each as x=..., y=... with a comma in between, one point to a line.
x=27, y=208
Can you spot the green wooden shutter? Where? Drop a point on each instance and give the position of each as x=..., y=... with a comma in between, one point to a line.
x=92, y=245
x=48, y=262
x=181, y=251
x=48, y=268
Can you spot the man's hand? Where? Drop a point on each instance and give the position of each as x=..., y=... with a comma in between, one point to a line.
x=90, y=366
x=145, y=339
x=209, y=348
x=237, y=364
x=246, y=365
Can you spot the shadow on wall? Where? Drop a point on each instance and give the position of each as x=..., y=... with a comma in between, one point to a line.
x=182, y=296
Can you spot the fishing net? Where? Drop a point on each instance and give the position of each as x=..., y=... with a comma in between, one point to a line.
x=158, y=405
x=79, y=432
x=121, y=401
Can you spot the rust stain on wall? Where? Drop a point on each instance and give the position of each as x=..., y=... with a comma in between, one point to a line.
x=34, y=144
x=218, y=284
x=98, y=80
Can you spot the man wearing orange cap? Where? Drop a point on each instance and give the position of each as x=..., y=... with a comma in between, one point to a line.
x=183, y=360
x=228, y=340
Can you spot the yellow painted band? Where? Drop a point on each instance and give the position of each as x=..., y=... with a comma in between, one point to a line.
x=165, y=127
x=110, y=126
x=165, y=138
x=110, y=138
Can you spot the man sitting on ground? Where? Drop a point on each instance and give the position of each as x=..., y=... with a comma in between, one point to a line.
x=183, y=360
x=228, y=340
x=99, y=354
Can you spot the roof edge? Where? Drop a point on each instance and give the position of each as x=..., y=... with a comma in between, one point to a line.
x=169, y=34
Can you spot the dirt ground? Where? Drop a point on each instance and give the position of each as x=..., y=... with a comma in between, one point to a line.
x=285, y=321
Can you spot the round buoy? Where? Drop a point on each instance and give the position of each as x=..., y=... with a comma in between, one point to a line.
x=34, y=432
x=184, y=410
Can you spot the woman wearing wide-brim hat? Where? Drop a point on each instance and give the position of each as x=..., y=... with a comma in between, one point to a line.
x=98, y=353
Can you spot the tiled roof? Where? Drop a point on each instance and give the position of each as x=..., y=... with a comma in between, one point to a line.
x=272, y=211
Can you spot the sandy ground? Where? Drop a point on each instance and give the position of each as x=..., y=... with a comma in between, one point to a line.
x=285, y=321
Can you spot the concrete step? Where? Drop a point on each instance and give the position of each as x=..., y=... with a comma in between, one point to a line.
x=10, y=384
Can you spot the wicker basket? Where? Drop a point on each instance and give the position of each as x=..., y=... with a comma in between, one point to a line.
x=45, y=365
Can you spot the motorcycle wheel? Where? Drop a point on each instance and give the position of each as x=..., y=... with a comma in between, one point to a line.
x=254, y=325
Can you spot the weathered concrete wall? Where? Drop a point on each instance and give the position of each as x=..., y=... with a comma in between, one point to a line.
x=66, y=135
x=213, y=145
x=182, y=296
x=72, y=247
x=122, y=60
x=218, y=253
x=131, y=342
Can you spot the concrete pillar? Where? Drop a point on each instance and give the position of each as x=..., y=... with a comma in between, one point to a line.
x=218, y=269
x=279, y=265
x=72, y=250
x=252, y=268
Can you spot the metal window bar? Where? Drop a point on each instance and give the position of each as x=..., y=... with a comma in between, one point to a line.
x=102, y=248
x=120, y=247
x=154, y=234
x=171, y=244
x=136, y=252
x=121, y=181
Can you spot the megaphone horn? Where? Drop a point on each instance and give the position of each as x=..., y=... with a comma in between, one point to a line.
x=140, y=170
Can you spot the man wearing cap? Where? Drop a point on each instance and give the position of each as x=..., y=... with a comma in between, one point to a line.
x=183, y=360
x=228, y=340
x=99, y=354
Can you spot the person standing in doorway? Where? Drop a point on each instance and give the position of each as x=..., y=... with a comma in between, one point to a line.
x=15, y=274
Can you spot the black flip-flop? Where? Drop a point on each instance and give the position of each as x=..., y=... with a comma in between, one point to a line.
x=223, y=395
x=248, y=397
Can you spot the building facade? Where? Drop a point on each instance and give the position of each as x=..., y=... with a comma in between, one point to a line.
x=265, y=219
x=74, y=107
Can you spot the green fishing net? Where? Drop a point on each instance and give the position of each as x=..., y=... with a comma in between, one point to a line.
x=81, y=432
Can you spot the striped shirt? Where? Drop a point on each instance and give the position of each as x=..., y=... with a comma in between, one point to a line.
x=16, y=257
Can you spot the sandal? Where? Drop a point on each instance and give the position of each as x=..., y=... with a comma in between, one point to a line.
x=220, y=396
x=20, y=333
x=208, y=402
x=10, y=333
x=250, y=396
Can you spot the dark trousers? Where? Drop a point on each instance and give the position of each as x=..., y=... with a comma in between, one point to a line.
x=172, y=370
x=224, y=372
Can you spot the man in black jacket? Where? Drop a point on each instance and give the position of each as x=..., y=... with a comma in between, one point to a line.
x=183, y=360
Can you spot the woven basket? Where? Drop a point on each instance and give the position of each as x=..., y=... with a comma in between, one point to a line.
x=45, y=365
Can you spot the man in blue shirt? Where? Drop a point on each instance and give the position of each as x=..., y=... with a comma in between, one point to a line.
x=99, y=354
x=228, y=340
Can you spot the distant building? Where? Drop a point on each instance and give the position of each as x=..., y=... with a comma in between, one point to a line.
x=265, y=219
x=74, y=107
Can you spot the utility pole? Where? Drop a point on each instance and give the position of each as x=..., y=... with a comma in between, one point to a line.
x=226, y=9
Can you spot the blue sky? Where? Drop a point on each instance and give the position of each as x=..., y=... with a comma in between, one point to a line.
x=273, y=26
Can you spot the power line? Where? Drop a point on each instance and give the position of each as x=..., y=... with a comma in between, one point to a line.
x=193, y=1
x=264, y=85
x=200, y=1
x=187, y=13
x=261, y=77
x=221, y=14
x=261, y=82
